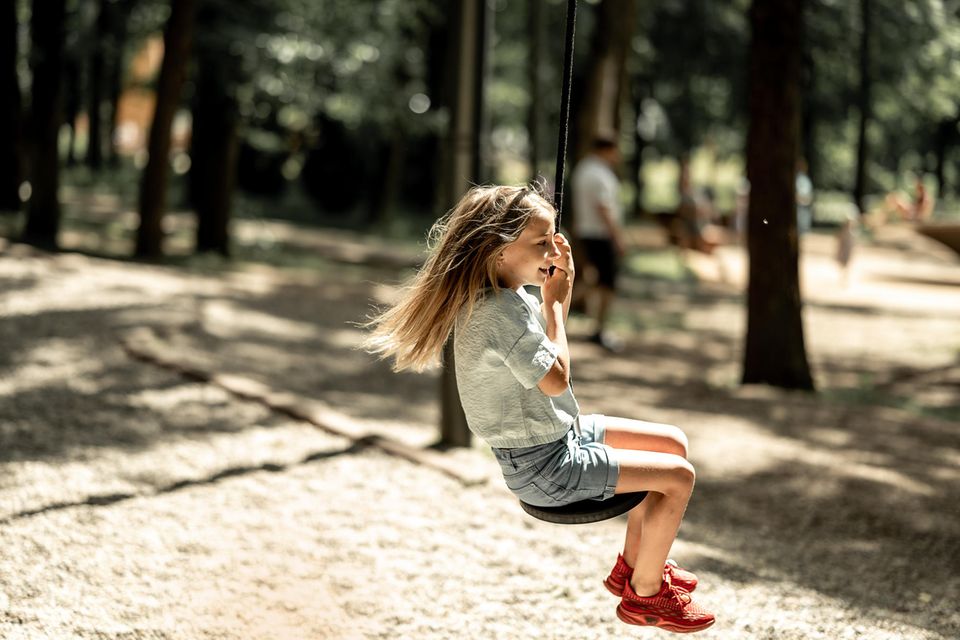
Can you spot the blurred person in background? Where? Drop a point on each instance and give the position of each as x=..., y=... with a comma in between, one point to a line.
x=598, y=224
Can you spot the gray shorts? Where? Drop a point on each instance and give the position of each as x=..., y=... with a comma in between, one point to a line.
x=573, y=468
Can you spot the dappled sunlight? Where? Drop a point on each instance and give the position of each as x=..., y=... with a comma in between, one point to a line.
x=787, y=482
x=178, y=397
x=225, y=320
x=730, y=448
x=52, y=361
x=111, y=286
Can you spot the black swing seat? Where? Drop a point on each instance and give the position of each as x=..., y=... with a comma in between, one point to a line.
x=586, y=511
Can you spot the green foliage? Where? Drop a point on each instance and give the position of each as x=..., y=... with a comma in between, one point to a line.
x=915, y=71
x=377, y=67
x=695, y=57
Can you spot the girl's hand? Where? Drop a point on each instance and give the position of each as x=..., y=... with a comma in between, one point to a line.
x=558, y=284
x=565, y=260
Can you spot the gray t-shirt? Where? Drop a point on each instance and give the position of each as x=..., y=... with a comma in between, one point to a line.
x=501, y=355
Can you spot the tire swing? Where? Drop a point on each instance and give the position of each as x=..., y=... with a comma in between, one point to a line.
x=584, y=511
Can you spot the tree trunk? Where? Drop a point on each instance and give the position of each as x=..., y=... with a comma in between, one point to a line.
x=775, y=352
x=945, y=138
x=119, y=18
x=467, y=53
x=47, y=34
x=177, y=39
x=864, y=103
x=599, y=112
x=95, y=88
x=215, y=133
x=10, y=116
x=639, y=91
x=71, y=102
x=535, y=31
x=808, y=123
x=384, y=202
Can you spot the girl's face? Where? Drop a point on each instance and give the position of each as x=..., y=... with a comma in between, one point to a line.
x=527, y=260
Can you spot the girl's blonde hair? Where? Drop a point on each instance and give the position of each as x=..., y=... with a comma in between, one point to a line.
x=464, y=246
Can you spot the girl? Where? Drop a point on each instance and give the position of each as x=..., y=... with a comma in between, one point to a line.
x=513, y=373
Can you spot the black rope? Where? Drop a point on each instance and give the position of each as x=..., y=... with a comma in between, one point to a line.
x=565, y=108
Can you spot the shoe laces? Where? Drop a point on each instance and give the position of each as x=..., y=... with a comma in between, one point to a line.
x=680, y=595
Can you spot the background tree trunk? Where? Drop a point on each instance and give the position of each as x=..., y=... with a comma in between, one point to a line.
x=96, y=86
x=47, y=34
x=775, y=352
x=119, y=18
x=463, y=142
x=71, y=103
x=808, y=122
x=640, y=90
x=599, y=112
x=864, y=103
x=177, y=39
x=10, y=116
x=215, y=146
x=535, y=31
x=945, y=139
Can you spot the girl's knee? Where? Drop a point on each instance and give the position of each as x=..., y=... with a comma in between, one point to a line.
x=683, y=477
x=679, y=443
x=682, y=442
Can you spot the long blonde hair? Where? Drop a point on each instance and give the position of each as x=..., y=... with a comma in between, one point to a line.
x=464, y=246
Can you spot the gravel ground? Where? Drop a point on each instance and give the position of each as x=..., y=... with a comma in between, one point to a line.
x=137, y=504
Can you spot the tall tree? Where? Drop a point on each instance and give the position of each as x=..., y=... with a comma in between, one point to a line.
x=47, y=35
x=599, y=108
x=535, y=32
x=214, y=142
x=775, y=353
x=215, y=147
x=466, y=105
x=864, y=103
x=119, y=14
x=177, y=39
x=96, y=85
x=10, y=116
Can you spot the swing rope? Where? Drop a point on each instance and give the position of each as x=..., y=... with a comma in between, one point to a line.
x=565, y=108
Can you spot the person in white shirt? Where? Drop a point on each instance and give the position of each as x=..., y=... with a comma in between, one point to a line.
x=598, y=223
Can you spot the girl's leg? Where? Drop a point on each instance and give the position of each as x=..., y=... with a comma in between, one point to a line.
x=652, y=526
x=623, y=433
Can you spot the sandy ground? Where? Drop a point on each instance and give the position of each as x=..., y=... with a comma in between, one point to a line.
x=137, y=504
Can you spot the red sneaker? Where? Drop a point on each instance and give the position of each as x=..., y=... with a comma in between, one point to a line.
x=670, y=609
x=621, y=573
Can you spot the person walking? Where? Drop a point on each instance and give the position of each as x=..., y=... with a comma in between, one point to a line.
x=598, y=224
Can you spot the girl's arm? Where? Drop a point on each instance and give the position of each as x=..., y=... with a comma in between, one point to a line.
x=556, y=293
x=557, y=379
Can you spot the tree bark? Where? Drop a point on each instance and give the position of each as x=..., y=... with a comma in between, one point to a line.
x=599, y=112
x=808, y=120
x=11, y=172
x=177, y=39
x=463, y=141
x=119, y=18
x=95, y=88
x=944, y=139
x=215, y=146
x=71, y=104
x=43, y=211
x=535, y=32
x=864, y=102
x=775, y=353
x=639, y=91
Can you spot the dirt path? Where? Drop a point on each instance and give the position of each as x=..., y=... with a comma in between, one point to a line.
x=137, y=504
